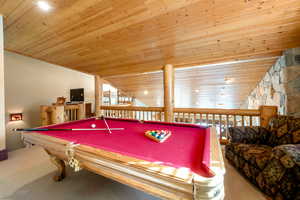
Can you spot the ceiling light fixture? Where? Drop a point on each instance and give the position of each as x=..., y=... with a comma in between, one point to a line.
x=146, y=92
x=228, y=80
x=43, y=5
x=197, y=91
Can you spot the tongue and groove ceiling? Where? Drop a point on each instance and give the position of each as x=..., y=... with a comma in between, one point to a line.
x=116, y=37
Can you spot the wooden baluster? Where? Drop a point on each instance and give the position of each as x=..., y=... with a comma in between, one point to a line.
x=234, y=120
x=201, y=118
x=213, y=120
x=194, y=118
x=251, y=121
x=206, y=119
x=67, y=115
x=243, y=120
x=227, y=125
x=70, y=111
x=220, y=125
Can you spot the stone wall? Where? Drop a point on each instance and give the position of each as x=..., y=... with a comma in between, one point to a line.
x=279, y=87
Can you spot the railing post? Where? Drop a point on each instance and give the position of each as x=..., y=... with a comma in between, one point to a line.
x=98, y=95
x=81, y=111
x=168, y=92
x=45, y=112
x=58, y=114
x=266, y=113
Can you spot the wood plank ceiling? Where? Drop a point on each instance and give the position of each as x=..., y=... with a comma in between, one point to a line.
x=204, y=87
x=113, y=37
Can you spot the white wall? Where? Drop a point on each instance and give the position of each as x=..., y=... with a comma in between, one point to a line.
x=30, y=83
x=2, y=108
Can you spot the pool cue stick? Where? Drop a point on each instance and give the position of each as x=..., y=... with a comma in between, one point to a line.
x=106, y=124
x=66, y=129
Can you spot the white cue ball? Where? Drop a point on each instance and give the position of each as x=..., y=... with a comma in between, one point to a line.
x=93, y=125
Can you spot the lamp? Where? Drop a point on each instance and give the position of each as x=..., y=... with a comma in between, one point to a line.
x=16, y=116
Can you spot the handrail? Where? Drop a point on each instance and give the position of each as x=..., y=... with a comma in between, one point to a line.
x=133, y=108
x=242, y=112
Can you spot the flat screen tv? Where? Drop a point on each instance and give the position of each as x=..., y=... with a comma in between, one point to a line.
x=77, y=94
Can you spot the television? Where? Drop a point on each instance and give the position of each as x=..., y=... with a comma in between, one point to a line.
x=77, y=95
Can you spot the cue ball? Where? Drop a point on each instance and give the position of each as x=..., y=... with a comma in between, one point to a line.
x=93, y=125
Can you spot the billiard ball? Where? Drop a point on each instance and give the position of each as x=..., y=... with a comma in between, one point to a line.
x=93, y=125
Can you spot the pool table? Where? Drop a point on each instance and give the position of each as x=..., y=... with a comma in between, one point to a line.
x=188, y=165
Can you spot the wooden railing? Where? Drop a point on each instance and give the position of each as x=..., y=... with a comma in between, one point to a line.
x=134, y=112
x=220, y=118
x=74, y=112
x=61, y=113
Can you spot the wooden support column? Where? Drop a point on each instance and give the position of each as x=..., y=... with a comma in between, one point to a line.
x=98, y=95
x=168, y=92
x=266, y=113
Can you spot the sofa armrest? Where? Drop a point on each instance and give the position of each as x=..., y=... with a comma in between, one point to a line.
x=288, y=154
x=248, y=135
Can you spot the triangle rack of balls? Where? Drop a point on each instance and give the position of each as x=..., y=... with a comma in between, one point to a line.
x=158, y=135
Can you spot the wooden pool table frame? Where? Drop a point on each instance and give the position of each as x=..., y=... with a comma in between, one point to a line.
x=162, y=181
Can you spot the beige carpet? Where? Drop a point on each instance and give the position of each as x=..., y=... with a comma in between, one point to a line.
x=27, y=175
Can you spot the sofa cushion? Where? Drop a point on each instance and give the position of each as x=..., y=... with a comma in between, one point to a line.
x=256, y=155
x=249, y=135
x=284, y=130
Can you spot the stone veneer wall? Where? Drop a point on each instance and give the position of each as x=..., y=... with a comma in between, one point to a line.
x=279, y=87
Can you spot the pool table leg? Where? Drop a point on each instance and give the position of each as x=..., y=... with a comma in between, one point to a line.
x=61, y=167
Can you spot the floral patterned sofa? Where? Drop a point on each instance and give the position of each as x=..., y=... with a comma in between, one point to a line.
x=269, y=157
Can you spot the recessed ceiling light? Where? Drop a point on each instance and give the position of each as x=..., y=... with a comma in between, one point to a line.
x=146, y=92
x=196, y=91
x=43, y=5
x=228, y=80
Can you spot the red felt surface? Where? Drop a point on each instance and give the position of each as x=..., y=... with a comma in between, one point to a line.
x=187, y=147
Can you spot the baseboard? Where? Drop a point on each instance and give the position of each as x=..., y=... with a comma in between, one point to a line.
x=3, y=155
